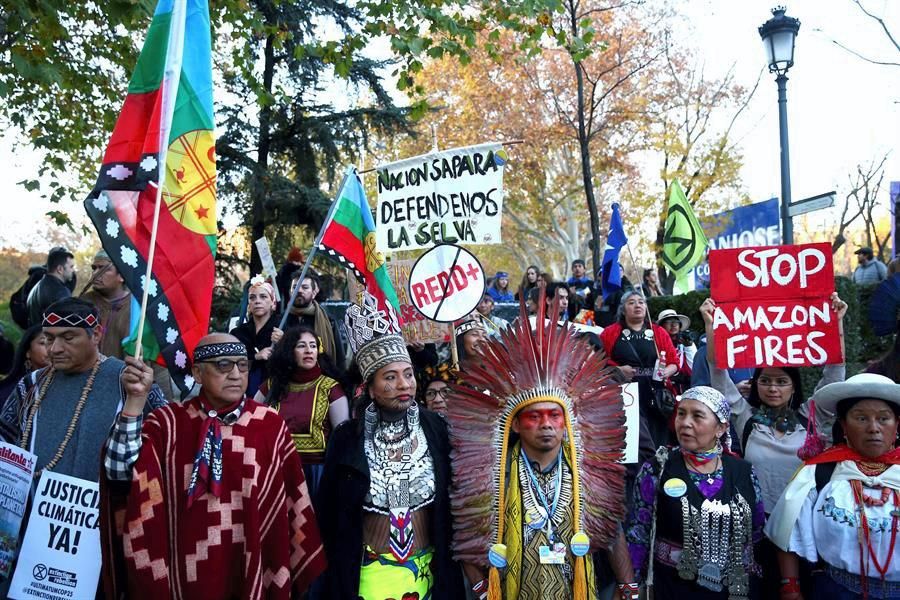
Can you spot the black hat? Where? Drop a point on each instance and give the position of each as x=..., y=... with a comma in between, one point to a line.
x=865, y=250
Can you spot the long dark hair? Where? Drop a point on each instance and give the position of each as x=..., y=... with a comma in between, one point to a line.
x=525, y=285
x=792, y=372
x=18, y=368
x=282, y=365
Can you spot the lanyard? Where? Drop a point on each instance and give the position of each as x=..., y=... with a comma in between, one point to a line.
x=539, y=491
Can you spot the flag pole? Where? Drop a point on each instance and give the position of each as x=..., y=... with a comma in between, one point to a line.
x=328, y=218
x=145, y=297
x=169, y=88
x=638, y=273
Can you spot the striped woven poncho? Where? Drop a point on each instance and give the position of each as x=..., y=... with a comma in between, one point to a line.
x=257, y=539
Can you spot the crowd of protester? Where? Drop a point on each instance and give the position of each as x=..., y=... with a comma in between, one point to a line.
x=800, y=488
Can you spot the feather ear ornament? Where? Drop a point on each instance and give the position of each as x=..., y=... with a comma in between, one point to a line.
x=534, y=360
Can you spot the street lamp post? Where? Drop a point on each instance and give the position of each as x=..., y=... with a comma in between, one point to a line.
x=778, y=35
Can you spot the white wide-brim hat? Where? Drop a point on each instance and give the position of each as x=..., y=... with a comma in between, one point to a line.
x=865, y=386
x=671, y=314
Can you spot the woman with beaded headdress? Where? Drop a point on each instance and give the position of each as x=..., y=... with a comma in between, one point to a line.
x=697, y=511
x=383, y=505
x=259, y=333
x=539, y=409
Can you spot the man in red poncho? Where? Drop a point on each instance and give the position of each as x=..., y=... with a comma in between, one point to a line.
x=207, y=499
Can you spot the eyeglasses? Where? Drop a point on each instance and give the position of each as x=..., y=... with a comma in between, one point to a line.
x=764, y=381
x=444, y=392
x=225, y=366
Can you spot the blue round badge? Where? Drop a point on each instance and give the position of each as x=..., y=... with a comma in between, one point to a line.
x=675, y=488
x=580, y=544
x=497, y=556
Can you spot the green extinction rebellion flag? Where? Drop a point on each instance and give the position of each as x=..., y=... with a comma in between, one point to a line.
x=684, y=244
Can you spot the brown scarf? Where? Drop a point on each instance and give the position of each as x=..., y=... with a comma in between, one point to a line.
x=321, y=324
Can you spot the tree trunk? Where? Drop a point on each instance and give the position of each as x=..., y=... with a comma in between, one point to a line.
x=584, y=145
x=260, y=188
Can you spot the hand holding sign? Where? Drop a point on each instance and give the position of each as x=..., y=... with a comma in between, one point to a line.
x=774, y=306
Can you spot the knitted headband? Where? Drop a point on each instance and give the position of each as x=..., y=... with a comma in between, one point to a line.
x=71, y=312
x=218, y=350
x=55, y=319
x=468, y=326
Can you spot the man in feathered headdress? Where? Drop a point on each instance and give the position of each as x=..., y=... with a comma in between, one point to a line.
x=540, y=404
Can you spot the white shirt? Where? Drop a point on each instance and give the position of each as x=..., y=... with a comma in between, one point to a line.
x=827, y=524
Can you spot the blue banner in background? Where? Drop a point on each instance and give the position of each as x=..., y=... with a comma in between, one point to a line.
x=752, y=225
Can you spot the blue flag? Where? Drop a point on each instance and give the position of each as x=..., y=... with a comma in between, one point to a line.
x=611, y=277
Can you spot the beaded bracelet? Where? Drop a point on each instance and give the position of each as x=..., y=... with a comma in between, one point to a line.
x=790, y=585
x=629, y=591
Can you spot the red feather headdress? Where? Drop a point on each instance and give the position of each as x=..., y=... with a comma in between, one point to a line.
x=530, y=363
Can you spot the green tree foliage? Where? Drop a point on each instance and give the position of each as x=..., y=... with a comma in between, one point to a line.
x=63, y=68
x=279, y=141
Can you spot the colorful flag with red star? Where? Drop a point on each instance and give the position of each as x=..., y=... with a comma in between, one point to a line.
x=349, y=238
x=164, y=135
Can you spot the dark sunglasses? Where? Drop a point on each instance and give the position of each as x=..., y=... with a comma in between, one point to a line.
x=225, y=366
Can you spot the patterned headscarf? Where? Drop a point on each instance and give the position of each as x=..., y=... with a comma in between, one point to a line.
x=714, y=401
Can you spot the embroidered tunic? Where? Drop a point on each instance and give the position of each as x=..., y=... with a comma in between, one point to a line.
x=304, y=407
x=526, y=578
x=826, y=524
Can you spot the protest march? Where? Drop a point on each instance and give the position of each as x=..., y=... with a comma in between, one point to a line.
x=437, y=357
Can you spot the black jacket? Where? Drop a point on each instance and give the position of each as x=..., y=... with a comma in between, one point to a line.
x=339, y=510
x=47, y=291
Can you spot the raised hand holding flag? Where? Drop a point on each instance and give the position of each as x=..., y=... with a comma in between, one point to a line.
x=163, y=150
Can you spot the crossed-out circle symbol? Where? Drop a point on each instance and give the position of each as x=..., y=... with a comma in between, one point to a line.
x=678, y=212
x=39, y=571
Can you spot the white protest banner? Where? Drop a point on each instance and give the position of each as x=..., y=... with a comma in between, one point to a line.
x=416, y=328
x=632, y=422
x=446, y=283
x=60, y=556
x=265, y=257
x=16, y=469
x=453, y=196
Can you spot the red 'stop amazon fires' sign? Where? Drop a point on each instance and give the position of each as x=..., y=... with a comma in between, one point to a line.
x=773, y=306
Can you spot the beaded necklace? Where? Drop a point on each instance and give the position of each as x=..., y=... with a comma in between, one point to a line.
x=861, y=502
x=29, y=421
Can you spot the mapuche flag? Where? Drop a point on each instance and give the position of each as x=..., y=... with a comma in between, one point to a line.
x=164, y=135
x=348, y=237
x=684, y=243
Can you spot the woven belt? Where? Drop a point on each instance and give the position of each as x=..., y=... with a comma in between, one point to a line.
x=852, y=582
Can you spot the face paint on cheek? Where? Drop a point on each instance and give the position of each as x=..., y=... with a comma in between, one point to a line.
x=533, y=419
